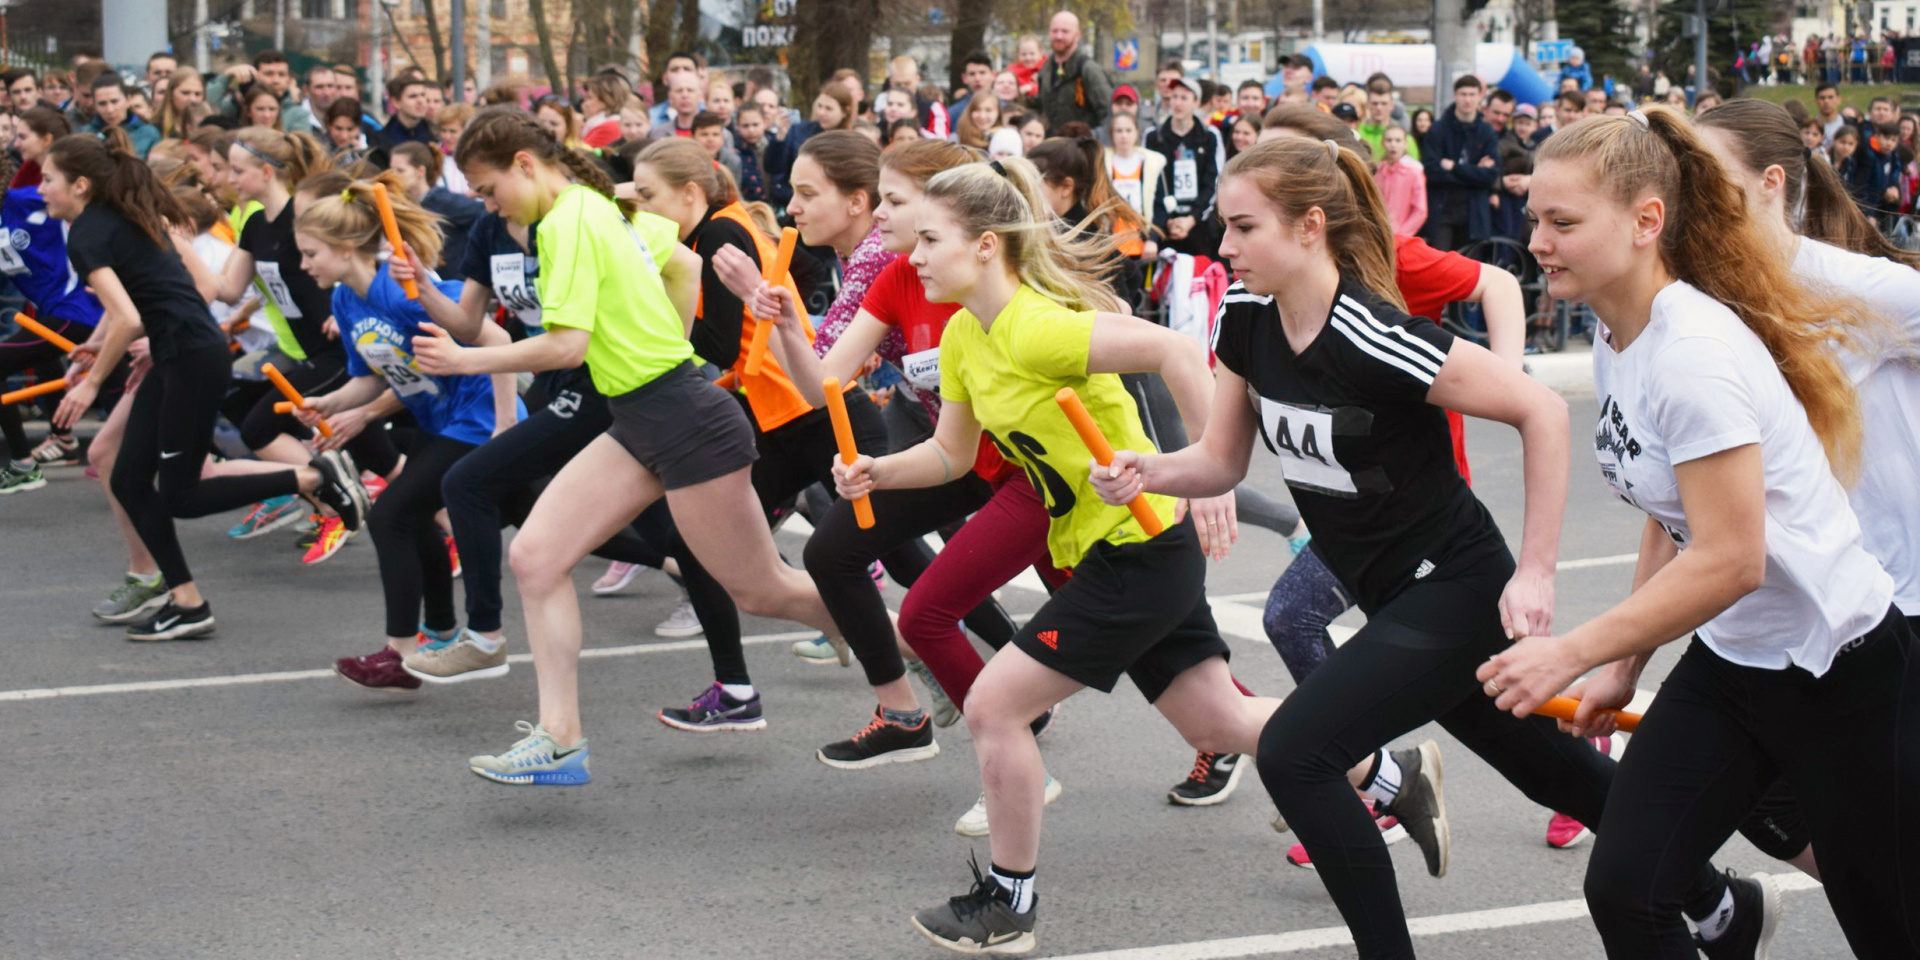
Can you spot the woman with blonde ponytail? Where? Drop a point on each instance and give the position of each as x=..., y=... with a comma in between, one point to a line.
x=340, y=238
x=1034, y=320
x=1352, y=394
x=1727, y=418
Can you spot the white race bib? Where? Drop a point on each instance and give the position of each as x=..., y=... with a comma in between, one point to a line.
x=922, y=369
x=1129, y=190
x=11, y=263
x=1186, y=179
x=510, y=285
x=277, y=291
x=1303, y=438
x=398, y=369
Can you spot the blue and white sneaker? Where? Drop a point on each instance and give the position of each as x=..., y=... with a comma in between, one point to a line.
x=269, y=515
x=824, y=651
x=537, y=760
x=715, y=711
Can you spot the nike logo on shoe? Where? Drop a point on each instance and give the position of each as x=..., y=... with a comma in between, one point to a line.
x=167, y=624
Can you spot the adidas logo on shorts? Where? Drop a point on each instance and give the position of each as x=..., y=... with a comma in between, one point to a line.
x=1049, y=637
x=1426, y=567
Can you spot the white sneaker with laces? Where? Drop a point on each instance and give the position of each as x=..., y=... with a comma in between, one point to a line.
x=681, y=623
x=973, y=823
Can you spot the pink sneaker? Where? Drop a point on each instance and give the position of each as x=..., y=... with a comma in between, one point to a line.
x=1390, y=830
x=1564, y=832
x=616, y=578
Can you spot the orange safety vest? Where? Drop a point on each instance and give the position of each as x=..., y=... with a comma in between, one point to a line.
x=772, y=397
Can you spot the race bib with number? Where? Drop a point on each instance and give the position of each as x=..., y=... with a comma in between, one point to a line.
x=398, y=369
x=1129, y=190
x=922, y=369
x=514, y=290
x=1303, y=439
x=11, y=263
x=269, y=273
x=1186, y=179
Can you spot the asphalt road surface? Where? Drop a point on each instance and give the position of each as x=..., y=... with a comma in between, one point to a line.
x=286, y=814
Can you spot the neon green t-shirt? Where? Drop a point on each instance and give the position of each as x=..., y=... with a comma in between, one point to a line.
x=282, y=334
x=1009, y=375
x=598, y=274
x=660, y=235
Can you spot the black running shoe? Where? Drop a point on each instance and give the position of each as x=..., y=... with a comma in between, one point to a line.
x=340, y=488
x=1756, y=913
x=1212, y=781
x=1042, y=723
x=174, y=622
x=980, y=921
x=1421, y=806
x=881, y=743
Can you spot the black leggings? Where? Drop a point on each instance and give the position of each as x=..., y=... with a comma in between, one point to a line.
x=497, y=484
x=169, y=431
x=372, y=449
x=1412, y=663
x=25, y=350
x=1716, y=737
x=414, y=566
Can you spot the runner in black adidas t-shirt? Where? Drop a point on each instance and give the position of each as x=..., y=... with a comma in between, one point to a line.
x=1350, y=394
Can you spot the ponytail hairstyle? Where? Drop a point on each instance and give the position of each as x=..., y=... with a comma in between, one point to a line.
x=1709, y=242
x=199, y=211
x=1818, y=205
x=1297, y=175
x=292, y=157
x=850, y=161
x=1070, y=269
x=350, y=218
x=679, y=161
x=116, y=139
x=328, y=183
x=1084, y=161
x=920, y=160
x=498, y=133
x=118, y=179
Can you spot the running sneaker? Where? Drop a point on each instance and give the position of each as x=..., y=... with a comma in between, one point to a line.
x=537, y=760
x=1299, y=544
x=18, y=479
x=332, y=536
x=1390, y=831
x=714, y=710
x=1756, y=914
x=455, y=662
x=136, y=599
x=682, y=622
x=882, y=742
x=944, y=711
x=174, y=622
x=877, y=572
x=980, y=921
x=380, y=671
x=1421, y=806
x=269, y=515
x=375, y=484
x=973, y=823
x=453, y=558
x=824, y=651
x=57, y=451
x=616, y=578
x=341, y=489
x=1212, y=781
x=1564, y=832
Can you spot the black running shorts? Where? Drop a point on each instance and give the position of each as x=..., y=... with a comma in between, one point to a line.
x=682, y=428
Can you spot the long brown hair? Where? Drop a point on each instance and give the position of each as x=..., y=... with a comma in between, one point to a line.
x=1297, y=175
x=499, y=132
x=172, y=122
x=1710, y=242
x=1083, y=160
x=920, y=160
x=850, y=161
x=679, y=161
x=1818, y=205
x=838, y=93
x=970, y=133
x=119, y=180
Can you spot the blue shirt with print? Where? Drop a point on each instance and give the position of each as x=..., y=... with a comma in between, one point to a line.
x=380, y=328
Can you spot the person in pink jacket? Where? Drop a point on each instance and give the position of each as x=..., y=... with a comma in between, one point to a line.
x=1403, y=182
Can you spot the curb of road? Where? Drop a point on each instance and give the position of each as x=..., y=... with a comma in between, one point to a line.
x=1568, y=373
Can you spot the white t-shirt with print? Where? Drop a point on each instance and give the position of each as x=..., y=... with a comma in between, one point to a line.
x=1697, y=382
x=1886, y=371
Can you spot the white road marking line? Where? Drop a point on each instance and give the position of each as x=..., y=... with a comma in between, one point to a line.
x=1590, y=562
x=1321, y=938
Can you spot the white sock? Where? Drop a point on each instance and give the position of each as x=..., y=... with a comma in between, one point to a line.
x=486, y=645
x=738, y=691
x=1713, y=926
x=1386, y=780
x=1019, y=889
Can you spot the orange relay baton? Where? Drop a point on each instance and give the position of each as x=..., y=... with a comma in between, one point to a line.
x=283, y=406
x=1562, y=708
x=37, y=390
x=763, y=327
x=29, y=323
x=293, y=396
x=843, y=435
x=1103, y=454
x=392, y=227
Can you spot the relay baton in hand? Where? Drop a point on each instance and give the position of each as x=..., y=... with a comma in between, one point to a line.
x=37, y=390
x=392, y=227
x=29, y=323
x=293, y=396
x=763, y=326
x=1562, y=708
x=1103, y=454
x=843, y=434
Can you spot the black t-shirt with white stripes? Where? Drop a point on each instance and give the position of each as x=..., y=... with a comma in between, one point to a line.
x=1368, y=459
